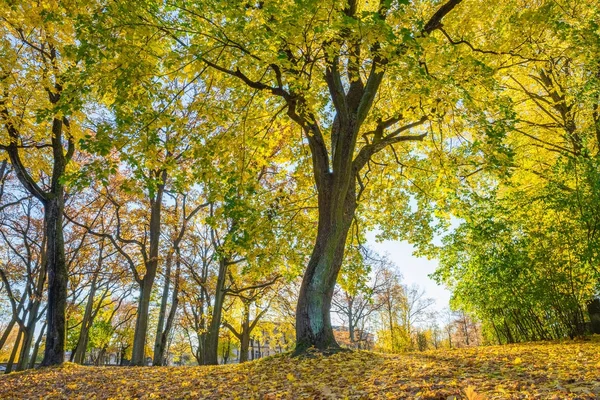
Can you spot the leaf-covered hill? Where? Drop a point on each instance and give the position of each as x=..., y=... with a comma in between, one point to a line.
x=541, y=371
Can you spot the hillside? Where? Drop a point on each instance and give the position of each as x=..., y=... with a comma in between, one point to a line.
x=541, y=370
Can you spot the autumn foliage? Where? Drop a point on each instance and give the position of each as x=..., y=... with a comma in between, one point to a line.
x=200, y=182
x=569, y=370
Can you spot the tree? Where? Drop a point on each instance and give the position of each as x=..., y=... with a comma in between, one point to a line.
x=326, y=63
x=174, y=251
x=41, y=94
x=401, y=309
x=251, y=297
x=393, y=337
x=144, y=136
x=23, y=274
x=355, y=299
x=196, y=291
x=416, y=306
x=521, y=260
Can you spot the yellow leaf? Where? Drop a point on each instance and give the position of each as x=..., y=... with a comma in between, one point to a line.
x=472, y=395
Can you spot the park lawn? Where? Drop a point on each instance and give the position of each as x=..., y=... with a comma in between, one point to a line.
x=568, y=370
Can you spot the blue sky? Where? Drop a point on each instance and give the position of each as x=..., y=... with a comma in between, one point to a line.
x=413, y=269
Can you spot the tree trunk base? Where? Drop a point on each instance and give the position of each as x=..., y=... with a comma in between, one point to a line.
x=314, y=352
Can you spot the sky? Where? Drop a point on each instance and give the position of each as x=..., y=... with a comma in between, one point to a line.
x=413, y=269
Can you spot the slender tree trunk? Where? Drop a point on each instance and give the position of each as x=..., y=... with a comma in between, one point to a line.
x=81, y=346
x=498, y=338
x=226, y=350
x=7, y=331
x=123, y=352
x=158, y=342
x=36, y=347
x=32, y=319
x=391, y=322
x=27, y=342
x=141, y=324
x=100, y=359
x=212, y=336
x=350, y=322
x=259, y=348
x=13, y=354
x=56, y=268
x=465, y=329
x=159, y=352
x=449, y=333
x=245, y=334
x=509, y=335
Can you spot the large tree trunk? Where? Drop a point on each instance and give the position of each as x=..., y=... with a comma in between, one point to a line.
x=593, y=309
x=56, y=268
x=212, y=336
x=313, y=321
x=141, y=324
x=244, y=347
x=53, y=201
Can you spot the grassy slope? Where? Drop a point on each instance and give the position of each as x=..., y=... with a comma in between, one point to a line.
x=540, y=370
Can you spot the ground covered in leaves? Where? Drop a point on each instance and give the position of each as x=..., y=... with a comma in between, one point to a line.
x=539, y=371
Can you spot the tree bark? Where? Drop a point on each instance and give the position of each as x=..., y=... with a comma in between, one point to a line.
x=212, y=336
x=86, y=323
x=159, y=352
x=13, y=354
x=146, y=283
x=313, y=321
x=245, y=335
x=56, y=268
x=36, y=347
x=350, y=321
x=7, y=331
x=32, y=319
x=336, y=167
x=27, y=342
x=141, y=324
x=54, y=258
x=158, y=341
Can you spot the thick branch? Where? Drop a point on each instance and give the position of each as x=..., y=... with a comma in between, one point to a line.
x=369, y=150
x=435, y=22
